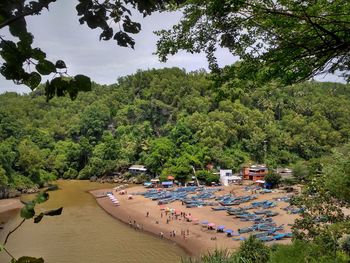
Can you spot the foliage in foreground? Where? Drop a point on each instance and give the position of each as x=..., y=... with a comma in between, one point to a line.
x=26, y=213
x=254, y=251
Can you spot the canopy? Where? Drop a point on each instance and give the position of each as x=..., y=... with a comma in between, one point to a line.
x=211, y=224
x=230, y=231
x=220, y=227
x=260, y=181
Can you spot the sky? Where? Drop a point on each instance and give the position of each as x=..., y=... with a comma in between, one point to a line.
x=59, y=33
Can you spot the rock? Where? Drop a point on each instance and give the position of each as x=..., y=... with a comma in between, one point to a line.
x=13, y=194
x=93, y=178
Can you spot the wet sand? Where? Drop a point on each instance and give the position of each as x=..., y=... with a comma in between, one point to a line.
x=199, y=239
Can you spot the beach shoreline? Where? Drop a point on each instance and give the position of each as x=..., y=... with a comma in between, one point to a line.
x=7, y=205
x=124, y=215
x=196, y=240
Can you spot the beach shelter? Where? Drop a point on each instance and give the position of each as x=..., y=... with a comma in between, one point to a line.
x=195, y=221
x=211, y=226
x=170, y=178
x=220, y=229
x=229, y=232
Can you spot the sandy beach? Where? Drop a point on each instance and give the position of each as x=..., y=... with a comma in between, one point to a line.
x=8, y=208
x=10, y=204
x=197, y=239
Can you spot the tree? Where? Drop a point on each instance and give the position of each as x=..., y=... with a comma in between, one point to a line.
x=253, y=250
x=273, y=179
x=289, y=40
x=25, y=64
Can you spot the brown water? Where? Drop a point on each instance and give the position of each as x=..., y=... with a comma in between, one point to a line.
x=84, y=233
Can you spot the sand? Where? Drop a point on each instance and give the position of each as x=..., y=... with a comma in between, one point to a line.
x=10, y=204
x=199, y=239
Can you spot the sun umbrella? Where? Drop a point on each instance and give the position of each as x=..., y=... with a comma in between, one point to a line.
x=229, y=231
x=220, y=227
x=205, y=222
x=211, y=224
x=162, y=207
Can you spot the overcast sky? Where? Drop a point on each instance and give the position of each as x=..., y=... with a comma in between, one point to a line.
x=59, y=33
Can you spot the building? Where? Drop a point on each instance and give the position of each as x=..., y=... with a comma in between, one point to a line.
x=285, y=172
x=255, y=172
x=137, y=169
x=227, y=178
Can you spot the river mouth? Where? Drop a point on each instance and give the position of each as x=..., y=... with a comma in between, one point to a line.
x=83, y=233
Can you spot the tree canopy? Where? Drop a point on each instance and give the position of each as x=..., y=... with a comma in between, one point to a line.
x=170, y=120
x=287, y=40
x=25, y=64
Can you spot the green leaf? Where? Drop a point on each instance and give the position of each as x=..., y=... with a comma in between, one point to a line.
x=60, y=64
x=33, y=80
x=30, y=260
x=58, y=86
x=55, y=212
x=41, y=197
x=107, y=34
x=38, y=54
x=27, y=211
x=124, y=39
x=38, y=218
x=45, y=67
x=131, y=27
x=82, y=82
x=18, y=27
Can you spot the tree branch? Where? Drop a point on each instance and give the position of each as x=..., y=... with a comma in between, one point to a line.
x=21, y=15
x=8, y=235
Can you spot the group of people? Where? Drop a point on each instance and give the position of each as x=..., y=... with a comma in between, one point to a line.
x=135, y=225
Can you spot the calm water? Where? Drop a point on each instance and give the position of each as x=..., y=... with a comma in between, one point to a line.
x=84, y=233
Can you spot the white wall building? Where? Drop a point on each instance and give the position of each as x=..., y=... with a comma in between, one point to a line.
x=227, y=178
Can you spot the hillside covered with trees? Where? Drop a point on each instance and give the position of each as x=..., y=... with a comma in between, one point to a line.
x=170, y=120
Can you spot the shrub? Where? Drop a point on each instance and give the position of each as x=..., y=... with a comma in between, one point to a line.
x=273, y=179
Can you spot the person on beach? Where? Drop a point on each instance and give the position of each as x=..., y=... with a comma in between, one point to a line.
x=171, y=233
x=188, y=232
x=147, y=214
x=174, y=233
x=130, y=224
x=161, y=215
x=161, y=234
x=167, y=221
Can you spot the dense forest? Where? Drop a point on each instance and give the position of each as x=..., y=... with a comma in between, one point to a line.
x=170, y=120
